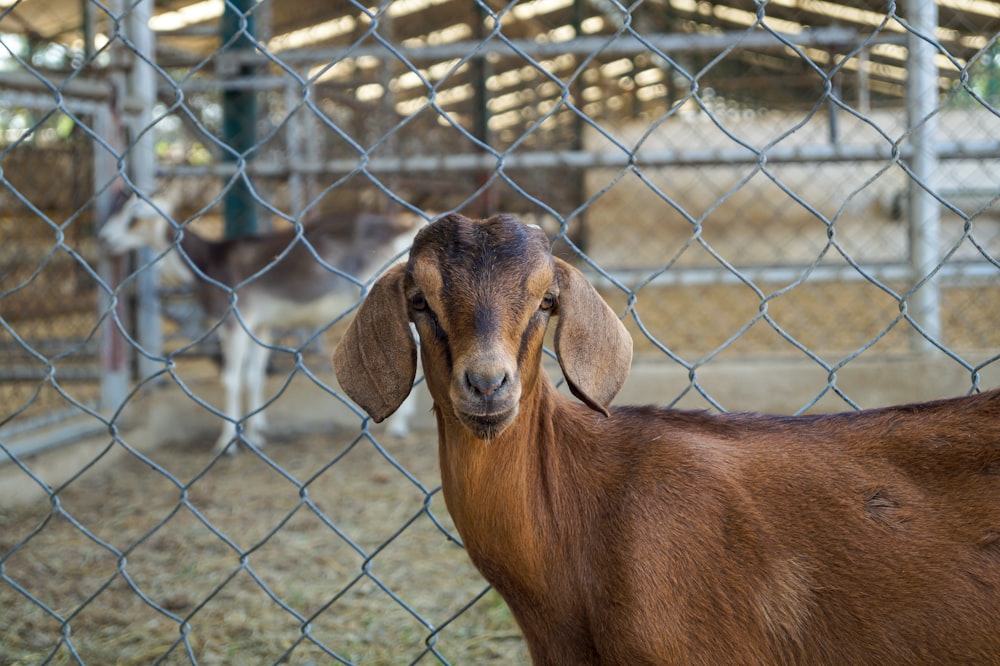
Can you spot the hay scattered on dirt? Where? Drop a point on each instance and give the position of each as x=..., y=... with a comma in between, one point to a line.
x=185, y=561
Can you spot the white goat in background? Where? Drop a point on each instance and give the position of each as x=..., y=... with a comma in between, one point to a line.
x=278, y=282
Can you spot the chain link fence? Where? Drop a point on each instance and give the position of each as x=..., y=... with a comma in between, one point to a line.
x=754, y=186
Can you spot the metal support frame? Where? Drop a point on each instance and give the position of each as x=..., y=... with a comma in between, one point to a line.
x=142, y=159
x=624, y=45
x=239, y=124
x=480, y=126
x=924, y=210
x=113, y=348
x=695, y=157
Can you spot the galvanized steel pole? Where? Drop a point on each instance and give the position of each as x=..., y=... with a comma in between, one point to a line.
x=142, y=88
x=924, y=211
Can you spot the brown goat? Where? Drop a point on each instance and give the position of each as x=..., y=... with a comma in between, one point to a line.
x=640, y=535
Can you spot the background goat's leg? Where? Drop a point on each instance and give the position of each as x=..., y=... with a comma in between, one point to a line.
x=235, y=348
x=258, y=353
x=398, y=424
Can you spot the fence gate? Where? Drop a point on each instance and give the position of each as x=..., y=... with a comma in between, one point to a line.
x=793, y=206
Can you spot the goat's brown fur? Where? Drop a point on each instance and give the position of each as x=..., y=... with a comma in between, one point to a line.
x=652, y=536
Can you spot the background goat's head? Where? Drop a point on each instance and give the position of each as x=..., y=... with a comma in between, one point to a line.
x=481, y=293
x=136, y=222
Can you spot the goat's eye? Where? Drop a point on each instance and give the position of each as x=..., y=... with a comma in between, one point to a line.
x=418, y=302
x=548, y=302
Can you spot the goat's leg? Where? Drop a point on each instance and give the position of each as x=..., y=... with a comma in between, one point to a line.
x=256, y=376
x=235, y=348
x=398, y=424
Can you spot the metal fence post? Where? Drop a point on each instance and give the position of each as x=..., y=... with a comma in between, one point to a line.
x=239, y=113
x=142, y=83
x=924, y=210
x=113, y=348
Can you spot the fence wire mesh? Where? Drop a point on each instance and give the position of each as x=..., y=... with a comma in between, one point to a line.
x=755, y=185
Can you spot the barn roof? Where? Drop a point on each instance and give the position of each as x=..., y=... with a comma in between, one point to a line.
x=615, y=59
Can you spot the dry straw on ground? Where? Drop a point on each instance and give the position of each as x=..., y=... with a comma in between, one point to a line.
x=304, y=568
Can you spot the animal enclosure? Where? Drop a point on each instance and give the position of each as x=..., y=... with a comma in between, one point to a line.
x=791, y=206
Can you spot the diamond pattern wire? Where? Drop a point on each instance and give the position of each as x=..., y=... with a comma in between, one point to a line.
x=743, y=181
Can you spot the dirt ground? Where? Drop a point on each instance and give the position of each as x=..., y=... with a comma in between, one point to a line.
x=327, y=548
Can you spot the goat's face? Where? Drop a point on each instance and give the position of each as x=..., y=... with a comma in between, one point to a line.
x=481, y=294
x=134, y=223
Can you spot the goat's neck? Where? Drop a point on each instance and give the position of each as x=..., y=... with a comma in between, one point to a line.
x=507, y=495
x=196, y=249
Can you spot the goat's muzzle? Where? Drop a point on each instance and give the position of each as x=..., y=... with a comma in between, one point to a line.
x=111, y=245
x=486, y=400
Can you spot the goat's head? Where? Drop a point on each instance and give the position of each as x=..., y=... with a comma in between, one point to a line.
x=136, y=222
x=481, y=294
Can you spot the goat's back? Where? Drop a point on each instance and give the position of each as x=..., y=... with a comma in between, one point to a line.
x=303, y=269
x=864, y=538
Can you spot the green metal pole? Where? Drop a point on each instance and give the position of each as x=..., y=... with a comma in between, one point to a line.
x=239, y=119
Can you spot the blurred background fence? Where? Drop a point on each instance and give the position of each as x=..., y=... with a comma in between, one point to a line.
x=791, y=199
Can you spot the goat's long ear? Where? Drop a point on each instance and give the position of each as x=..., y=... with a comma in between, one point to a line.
x=376, y=359
x=594, y=348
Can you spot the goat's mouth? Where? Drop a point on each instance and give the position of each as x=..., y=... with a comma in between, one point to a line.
x=108, y=245
x=115, y=246
x=487, y=426
x=485, y=399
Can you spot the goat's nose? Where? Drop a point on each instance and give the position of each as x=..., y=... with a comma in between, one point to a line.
x=485, y=383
